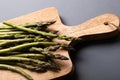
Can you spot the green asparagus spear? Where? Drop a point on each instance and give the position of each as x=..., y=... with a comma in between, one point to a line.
x=22, y=46
x=39, y=24
x=7, y=42
x=49, y=53
x=31, y=55
x=11, y=36
x=6, y=36
x=7, y=30
x=12, y=32
x=2, y=26
x=23, y=39
x=54, y=65
x=21, y=59
x=53, y=48
x=24, y=36
x=29, y=30
x=68, y=38
x=8, y=67
x=30, y=67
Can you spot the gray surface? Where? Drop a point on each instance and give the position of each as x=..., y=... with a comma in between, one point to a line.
x=93, y=61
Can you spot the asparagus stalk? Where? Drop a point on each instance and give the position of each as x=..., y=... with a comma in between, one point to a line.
x=7, y=30
x=6, y=36
x=31, y=55
x=30, y=67
x=11, y=36
x=7, y=42
x=8, y=67
x=39, y=24
x=48, y=53
x=41, y=56
x=29, y=30
x=22, y=46
x=17, y=40
x=68, y=38
x=12, y=32
x=21, y=59
x=24, y=36
x=21, y=38
x=2, y=26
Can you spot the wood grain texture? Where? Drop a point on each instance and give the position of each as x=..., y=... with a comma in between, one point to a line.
x=94, y=27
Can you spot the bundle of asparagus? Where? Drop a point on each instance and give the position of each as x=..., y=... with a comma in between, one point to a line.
x=30, y=46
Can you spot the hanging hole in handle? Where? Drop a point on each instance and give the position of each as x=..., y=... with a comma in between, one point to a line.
x=106, y=23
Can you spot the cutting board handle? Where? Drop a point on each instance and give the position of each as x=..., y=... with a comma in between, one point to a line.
x=103, y=26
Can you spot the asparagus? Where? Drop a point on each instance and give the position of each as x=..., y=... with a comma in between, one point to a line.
x=61, y=57
x=8, y=67
x=14, y=32
x=2, y=26
x=11, y=36
x=24, y=36
x=7, y=30
x=48, y=53
x=22, y=46
x=68, y=38
x=21, y=59
x=31, y=55
x=6, y=36
x=30, y=67
x=54, y=66
x=39, y=24
x=36, y=38
x=7, y=42
x=19, y=27
x=40, y=68
x=29, y=30
x=53, y=48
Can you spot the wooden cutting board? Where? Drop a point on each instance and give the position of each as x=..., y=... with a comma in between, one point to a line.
x=93, y=29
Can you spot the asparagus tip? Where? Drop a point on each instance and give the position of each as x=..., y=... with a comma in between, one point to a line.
x=61, y=57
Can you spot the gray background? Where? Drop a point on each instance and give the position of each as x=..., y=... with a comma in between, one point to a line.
x=98, y=60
